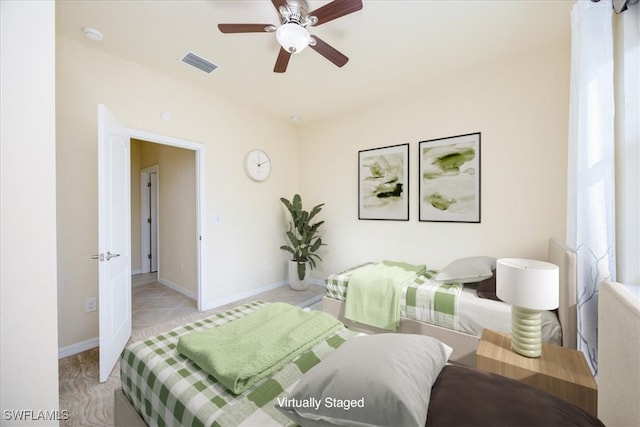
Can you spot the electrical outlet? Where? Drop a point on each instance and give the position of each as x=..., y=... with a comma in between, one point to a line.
x=90, y=304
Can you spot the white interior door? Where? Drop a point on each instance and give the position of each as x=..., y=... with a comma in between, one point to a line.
x=114, y=231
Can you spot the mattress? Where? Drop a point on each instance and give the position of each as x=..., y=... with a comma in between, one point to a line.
x=473, y=314
x=167, y=389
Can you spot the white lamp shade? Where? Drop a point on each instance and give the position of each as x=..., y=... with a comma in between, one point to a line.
x=293, y=37
x=528, y=283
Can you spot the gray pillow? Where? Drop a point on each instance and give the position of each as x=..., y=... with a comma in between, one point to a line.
x=373, y=380
x=467, y=270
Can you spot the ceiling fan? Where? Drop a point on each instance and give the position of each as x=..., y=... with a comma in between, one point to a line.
x=292, y=32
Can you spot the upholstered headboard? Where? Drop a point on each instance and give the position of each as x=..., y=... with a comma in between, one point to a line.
x=618, y=359
x=565, y=258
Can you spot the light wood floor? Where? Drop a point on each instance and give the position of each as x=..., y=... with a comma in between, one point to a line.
x=153, y=303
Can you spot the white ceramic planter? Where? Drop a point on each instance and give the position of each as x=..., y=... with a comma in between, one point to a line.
x=294, y=282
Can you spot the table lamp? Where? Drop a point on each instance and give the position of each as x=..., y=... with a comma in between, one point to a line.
x=529, y=286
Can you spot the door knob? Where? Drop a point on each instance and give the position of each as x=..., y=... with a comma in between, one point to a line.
x=110, y=255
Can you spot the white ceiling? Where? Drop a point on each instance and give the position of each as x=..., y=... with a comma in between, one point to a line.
x=393, y=46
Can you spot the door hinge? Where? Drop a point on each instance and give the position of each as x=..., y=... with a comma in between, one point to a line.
x=149, y=256
x=149, y=220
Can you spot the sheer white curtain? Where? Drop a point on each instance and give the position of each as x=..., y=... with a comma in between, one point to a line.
x=591, y=168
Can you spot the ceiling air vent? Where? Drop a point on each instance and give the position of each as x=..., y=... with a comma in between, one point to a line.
x=198, y=62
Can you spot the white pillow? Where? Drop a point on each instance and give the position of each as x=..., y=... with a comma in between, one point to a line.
x=467, y=270
x=375, y=380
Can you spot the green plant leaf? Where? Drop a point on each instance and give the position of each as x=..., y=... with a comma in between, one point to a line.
x=297, y=203
x=302, y=269
x=288, y=249
x=316, y=245
x=315, y=211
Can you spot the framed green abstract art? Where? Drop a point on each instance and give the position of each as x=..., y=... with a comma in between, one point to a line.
x=383, y=183
x=450, y=179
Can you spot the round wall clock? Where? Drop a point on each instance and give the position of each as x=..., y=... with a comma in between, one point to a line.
x=257, y=165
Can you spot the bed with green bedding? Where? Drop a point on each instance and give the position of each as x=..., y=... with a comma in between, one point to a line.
x=449, y=305
x=167, y=388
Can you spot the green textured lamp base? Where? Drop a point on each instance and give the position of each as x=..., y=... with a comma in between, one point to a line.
x=526, y=331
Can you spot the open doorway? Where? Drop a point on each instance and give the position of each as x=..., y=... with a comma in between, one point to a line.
x=167, y=198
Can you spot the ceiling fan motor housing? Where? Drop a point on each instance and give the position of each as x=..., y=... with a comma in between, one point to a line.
x=297, y=11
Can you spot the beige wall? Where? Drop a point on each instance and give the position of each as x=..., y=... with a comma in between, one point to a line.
x=241, y=252
x=521, y=108
x=177, y=264
x=28, y=311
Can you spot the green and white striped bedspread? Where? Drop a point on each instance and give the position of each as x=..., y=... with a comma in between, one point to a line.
x=167, y=389
x=422, y=299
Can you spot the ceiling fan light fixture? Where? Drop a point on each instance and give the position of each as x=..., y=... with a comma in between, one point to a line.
x=293, y=37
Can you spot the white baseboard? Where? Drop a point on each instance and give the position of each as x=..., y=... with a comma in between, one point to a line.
x=318, y=282
x=133, y=272
x=178, y=288
x=247, y=294
x=78, y=347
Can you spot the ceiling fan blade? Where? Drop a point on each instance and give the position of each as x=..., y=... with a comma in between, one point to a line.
x=335, y=10
x=282, y=61
x=246, y=28
x=328, y=52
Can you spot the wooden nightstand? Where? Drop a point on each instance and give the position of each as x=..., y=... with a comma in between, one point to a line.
x=561, y=371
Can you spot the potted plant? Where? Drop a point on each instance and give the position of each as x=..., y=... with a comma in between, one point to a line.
x=303, y=241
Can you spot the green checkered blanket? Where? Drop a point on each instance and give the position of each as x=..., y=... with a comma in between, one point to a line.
x=240, y=353
x=422, y=299
x=167, y=389
x=432, y=302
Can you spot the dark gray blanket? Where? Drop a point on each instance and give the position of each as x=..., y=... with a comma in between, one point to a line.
x=463, y=396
